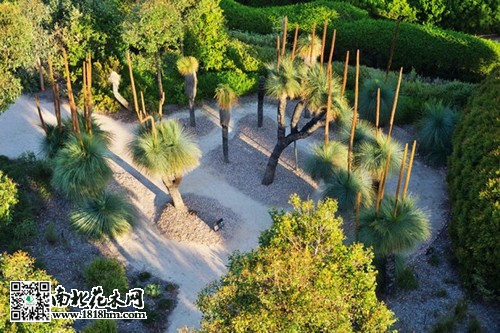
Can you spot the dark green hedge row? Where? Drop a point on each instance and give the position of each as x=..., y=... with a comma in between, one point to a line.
x=431, y=51
x=474, y=185
x=269, y=3
x=269, y=19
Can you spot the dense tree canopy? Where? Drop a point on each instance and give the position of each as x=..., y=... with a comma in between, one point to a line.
x=302, y=278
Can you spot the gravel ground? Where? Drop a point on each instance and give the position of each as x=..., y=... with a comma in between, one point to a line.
x=248, y=154
x=197, y=224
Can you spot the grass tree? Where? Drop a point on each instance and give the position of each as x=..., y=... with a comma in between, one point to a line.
x=368, y=101
x=188, y=66
x=309, y=49
x=396, y=227
x=364, y=132
x=344, y=185
x=435, y=130
x=81, y=169
x=226, y=99
x=106, y=214
x=324, y=161
x=167, y=150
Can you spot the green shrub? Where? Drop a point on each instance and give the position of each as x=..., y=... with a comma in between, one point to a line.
x=242, y=83
x=406, y=279
x=266, y=20
x=108, y=273
x=144, y=276
x=474, y=180
x=435, y=130
x=153, y=290
x=101, y=326
x=165, y=304
x=8, y=198
x=430, y=51
x=51, y=233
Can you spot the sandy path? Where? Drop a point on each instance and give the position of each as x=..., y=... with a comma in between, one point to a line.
x=189, y=265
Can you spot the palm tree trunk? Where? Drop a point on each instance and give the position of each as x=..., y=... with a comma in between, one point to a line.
x=273, y=162
x=225, y=146
x=281, y=118
x=260, y=101
x=173, y=189
x=390, y=273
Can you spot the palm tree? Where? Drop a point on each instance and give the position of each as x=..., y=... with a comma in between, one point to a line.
x=282, y=84
x=345, y=185
x=393, y=231
x=324, y=162
x=368, y=101
x=188, y=66
x=304, y=47
x=81, y=170
x=435, y=131
x=226, y=98
x=169, y=151
x=107, y=214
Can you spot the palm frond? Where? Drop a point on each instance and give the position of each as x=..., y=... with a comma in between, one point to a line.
x=322, y=163
x=372, y=156
x=107, y=215
x=174, y=152
x=368, y=101
x=390, y=233
x=187, y=65
x=81, y=169
x=344, y=186
x=435, y=130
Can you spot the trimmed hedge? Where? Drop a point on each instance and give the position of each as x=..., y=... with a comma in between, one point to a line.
x=474, y=183
x=431, y=51
x=269, y=19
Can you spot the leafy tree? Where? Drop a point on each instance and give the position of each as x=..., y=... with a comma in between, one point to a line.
x=301, y=278
x=153, y=28
x=167, y=150
x=21, y=267
x=226, y=98
x=188, y=66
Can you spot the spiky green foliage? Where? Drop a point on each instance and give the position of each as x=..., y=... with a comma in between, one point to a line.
x=390, y=233
x=225, y=96
x=101, y=326
x=8, y=198
x=81, y=169
x=106, y=215
x=285, y=82
x=304, y=48
x=172, y=153
x=187, y=65
x=345, y=186
x=108, y=273
x=435, y=130
x=315, y=90
x=54, y=140
x=368, y=101
x=323, y=162
x=302, y=278
x=364, y=132
x=372, y=156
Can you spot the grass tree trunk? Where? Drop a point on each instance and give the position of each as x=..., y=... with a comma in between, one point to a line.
x=191, y=82
x=281, y=117
x=272, y=163
x=390, y=273
x=260, y=101
x=225, y=145
x=172, y=186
